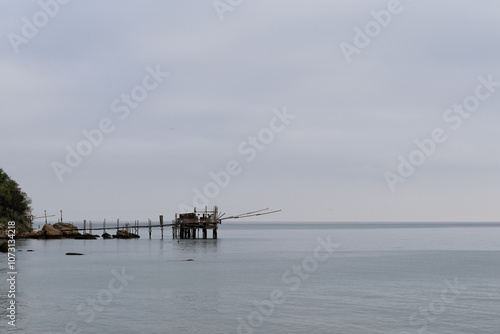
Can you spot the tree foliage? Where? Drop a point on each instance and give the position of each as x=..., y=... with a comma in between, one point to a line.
x=14, y=203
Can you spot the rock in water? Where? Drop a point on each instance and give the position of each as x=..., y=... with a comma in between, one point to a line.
x=86, y=236
x=74, y=254
x=122, y=234
x=51, y=232
x=106, y=236
x=4, y=248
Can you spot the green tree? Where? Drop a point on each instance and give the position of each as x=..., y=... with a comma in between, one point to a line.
x=14, y=203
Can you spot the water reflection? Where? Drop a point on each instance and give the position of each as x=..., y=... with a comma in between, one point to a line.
x=197, y=245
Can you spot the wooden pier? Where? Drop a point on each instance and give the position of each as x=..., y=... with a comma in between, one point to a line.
x=185, y=226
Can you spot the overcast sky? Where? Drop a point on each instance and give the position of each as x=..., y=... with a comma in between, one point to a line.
x=312, y=107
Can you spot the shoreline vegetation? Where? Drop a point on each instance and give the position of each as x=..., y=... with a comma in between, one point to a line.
x=15, y=205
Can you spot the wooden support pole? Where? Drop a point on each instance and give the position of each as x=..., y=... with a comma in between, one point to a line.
x=149, y=223
x=161, y=226
x=175, y=228
x=117, y=225
x=84, y=226
x=104, y=225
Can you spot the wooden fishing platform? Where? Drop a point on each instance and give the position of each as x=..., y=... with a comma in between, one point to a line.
x=188, y=225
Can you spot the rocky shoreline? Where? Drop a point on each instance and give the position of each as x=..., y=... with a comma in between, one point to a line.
x=70, y=231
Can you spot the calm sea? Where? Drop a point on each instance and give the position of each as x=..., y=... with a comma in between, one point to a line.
x=264, y=278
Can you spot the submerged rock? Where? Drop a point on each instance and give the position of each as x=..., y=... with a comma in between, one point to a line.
x=122, y=234
x=87, y=236
x=74, y=254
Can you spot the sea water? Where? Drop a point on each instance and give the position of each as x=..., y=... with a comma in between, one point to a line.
x=264, y=278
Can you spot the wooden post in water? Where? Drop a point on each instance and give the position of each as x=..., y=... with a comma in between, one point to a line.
x=161, y=225
x=104, y=226
x=149, y=223
x=84, y=226
x=117, y=225
x=175, y=230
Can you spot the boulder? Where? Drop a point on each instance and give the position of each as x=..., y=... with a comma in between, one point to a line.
x=68, y=230
x=4, y=248
x=122, y=234
x=50, y=232
x=38, y=234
